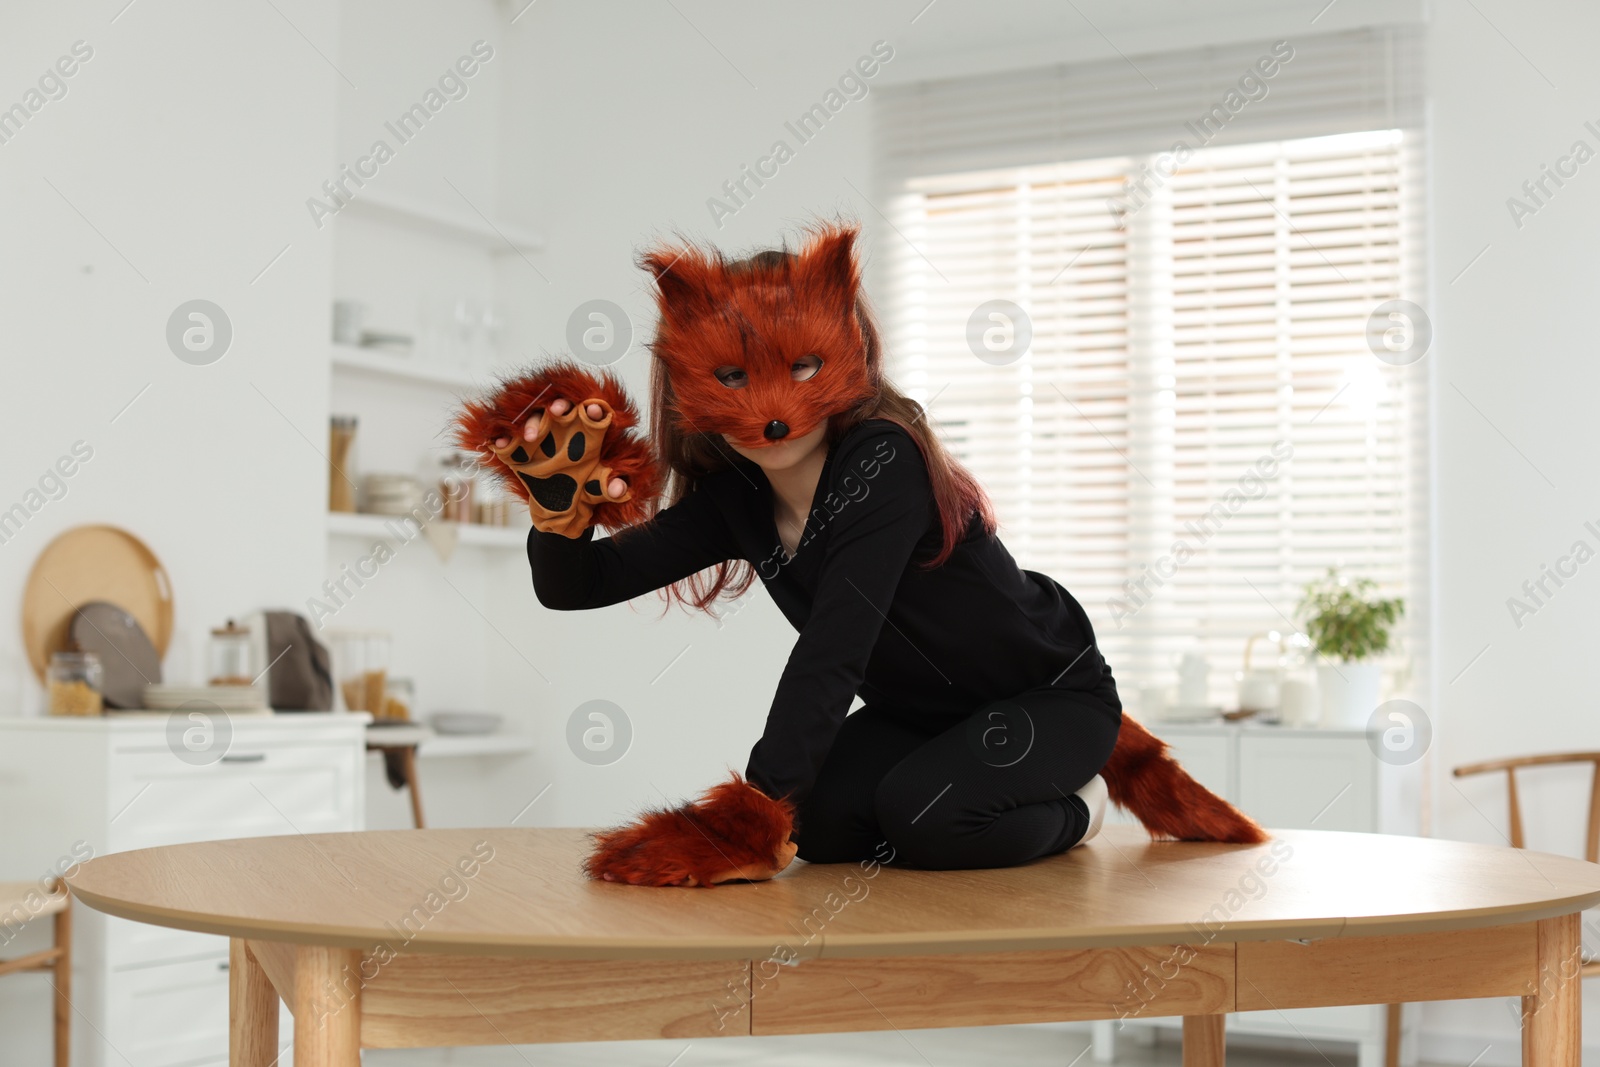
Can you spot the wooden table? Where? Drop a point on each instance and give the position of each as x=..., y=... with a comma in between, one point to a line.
x=464, y=937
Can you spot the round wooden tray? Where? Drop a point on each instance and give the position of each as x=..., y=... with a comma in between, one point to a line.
x=85, y=564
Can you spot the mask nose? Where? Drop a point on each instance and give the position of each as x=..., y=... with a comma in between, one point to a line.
x=776, y=429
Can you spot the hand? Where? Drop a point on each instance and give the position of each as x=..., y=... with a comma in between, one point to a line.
x=753, y=872
x=734, y=832
x=616, y=488
x=576, y=462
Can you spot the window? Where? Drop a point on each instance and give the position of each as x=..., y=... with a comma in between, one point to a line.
x=1197, y=426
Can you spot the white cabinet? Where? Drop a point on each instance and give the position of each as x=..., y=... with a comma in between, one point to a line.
x=147, y=996
x=1296, y=779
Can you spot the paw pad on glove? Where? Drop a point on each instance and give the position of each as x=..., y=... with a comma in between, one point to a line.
x=562, y=469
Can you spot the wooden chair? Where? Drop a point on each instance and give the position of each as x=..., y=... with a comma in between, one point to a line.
x=1591, y=964
x=398, y=746
x=21, y=902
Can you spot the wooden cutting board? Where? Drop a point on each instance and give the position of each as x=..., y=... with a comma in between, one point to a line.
x=86, y=564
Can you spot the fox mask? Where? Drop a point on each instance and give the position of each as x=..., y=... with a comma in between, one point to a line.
x=763, y=349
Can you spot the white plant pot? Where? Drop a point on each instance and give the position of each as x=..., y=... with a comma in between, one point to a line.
x=1349, y=692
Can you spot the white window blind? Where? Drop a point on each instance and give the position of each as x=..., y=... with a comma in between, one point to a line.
x=1198, y=426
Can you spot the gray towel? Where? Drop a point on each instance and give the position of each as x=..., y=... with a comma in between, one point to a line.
x=300, y=678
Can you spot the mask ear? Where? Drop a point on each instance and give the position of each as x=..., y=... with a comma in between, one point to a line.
x=827, y=265
x=684, y=279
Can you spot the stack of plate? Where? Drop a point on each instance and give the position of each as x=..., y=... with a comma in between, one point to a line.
x=239, y=698
x=390, y=494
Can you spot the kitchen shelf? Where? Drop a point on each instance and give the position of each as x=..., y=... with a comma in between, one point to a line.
x=400, y=367
x=350, y=524
x=432, y=744
x=494, y=235
x=475, y=745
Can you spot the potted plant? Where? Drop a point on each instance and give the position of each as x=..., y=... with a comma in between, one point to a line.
x=1348, y=623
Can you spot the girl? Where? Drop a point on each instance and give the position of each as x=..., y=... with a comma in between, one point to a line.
x=989, y=711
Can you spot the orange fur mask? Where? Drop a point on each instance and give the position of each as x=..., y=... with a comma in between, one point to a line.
x=740, y=341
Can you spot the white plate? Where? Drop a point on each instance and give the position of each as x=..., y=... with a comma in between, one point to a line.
x=1191, y=714
x=227, y=697
x=463, y=723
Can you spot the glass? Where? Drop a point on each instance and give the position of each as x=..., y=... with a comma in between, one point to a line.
x=436, y=329
x=491, y=324
x=467, y=323
x=341, y=437
x=491, y=505
x=76, y=681
x=399, y=697
x=457, y=483
x=229, y=656
x=361, y=664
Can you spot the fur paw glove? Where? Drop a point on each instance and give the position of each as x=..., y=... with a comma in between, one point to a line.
x=563, y=474
x=733, y=832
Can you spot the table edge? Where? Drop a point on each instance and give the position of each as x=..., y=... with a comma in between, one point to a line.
x=859, y=947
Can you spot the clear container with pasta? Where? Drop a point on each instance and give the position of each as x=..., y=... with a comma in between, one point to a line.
x=361, y=667
x=76, y=681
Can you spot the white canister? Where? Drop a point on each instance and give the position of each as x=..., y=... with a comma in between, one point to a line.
x=1297, y=702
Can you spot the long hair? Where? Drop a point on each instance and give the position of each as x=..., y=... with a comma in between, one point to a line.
x=686, y=456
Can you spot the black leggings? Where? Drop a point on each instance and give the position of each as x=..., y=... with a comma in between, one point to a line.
x=993, y=790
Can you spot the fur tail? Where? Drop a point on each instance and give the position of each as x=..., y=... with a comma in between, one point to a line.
x=1145, y=780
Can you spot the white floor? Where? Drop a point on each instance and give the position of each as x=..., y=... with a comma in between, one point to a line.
x=1011, y=1046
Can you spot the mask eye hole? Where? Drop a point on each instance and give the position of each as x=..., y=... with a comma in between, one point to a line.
x=732, y=377
x=805, y=367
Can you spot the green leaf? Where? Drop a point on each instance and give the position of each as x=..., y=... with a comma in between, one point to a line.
x=1345, y=618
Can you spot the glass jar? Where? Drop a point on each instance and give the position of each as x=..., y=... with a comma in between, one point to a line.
x=457, y=481
x=341, y=440
x=76, y=681
x=399, y=697
x=491, y=502
x=229, y=656
x=361, y=665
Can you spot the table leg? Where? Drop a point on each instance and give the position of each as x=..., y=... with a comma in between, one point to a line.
x=1552, y=1015
x=63, y=980
x=252, y=1010
x=1203, y=1040
x=327, y=1007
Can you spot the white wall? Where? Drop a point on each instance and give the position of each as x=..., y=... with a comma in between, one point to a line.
x=1517, y=385
x=185, y=147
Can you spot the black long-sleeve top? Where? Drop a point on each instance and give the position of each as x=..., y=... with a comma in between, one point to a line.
x=937, y=643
